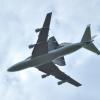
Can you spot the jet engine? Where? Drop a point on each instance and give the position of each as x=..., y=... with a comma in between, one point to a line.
x=44, y=75
x=38, y=30
x=61, y=82
x=31, y=46
x=52, y=45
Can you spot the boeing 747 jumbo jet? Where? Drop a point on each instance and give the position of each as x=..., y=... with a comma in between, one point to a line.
x=47, y=53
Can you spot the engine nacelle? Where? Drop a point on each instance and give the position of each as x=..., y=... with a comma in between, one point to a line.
x=38, y=30
x=61, y=82
x=31, y=46
x=44, y=75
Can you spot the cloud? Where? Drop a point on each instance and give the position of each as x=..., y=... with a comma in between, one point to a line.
x=18, y=19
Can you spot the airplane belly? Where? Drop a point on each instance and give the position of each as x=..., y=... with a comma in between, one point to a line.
x=46, y=58
x=65, y=50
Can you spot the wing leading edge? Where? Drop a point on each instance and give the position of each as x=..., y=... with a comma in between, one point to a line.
x=51, y=69
x=41, y=46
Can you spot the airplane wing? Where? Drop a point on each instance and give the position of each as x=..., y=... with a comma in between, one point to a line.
x=41, y=46
x=51, y=69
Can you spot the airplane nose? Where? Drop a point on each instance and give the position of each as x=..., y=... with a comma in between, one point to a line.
x=17, y=67
x=14, y=68
x=11, y=69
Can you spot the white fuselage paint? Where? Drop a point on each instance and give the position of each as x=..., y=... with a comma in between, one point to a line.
x=46, y=58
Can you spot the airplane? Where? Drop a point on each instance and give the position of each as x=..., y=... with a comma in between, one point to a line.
x=46, y=55
x=53, y=44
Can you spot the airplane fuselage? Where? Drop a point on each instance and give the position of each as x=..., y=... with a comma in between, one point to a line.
x=46, y=58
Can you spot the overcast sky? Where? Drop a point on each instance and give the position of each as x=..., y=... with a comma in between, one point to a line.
x=18, y=19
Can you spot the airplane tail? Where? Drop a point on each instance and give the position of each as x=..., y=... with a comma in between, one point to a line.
x=87, y=41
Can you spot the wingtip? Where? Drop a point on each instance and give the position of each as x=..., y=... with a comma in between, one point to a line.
x=99, y=53
x=88, y=25
x=50, y=13
x=79, y=85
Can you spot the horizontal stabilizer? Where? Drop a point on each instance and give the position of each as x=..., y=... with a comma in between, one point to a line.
x=52, y=45
x=92, y=48
x=60, y=61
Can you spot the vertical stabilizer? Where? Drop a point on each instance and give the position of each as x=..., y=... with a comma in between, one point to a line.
x=88, y=41
x=87, y=34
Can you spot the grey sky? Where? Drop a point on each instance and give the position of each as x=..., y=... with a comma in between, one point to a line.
x=18, y=19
